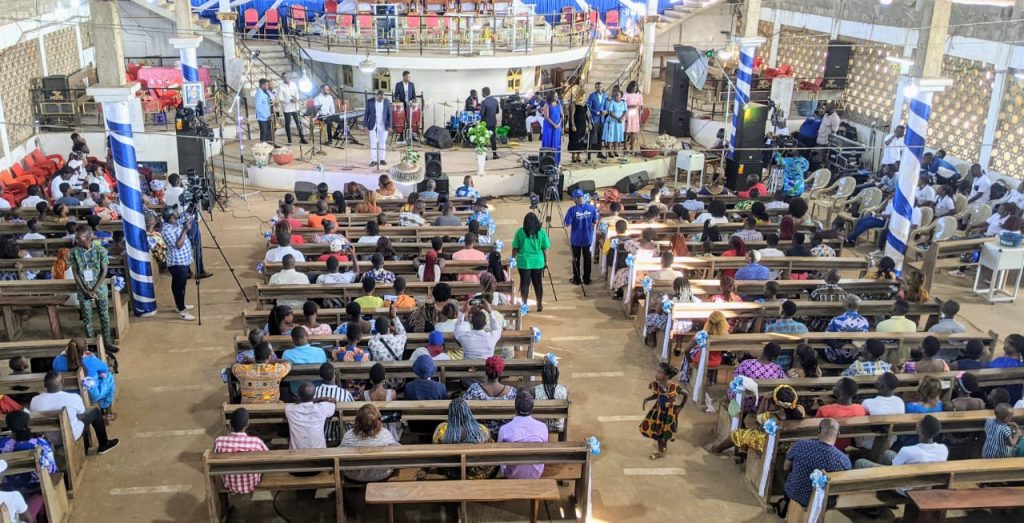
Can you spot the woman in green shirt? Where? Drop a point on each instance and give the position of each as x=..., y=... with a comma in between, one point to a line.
x=529, y=248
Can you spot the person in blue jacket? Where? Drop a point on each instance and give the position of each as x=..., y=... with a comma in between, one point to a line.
x=581, y=219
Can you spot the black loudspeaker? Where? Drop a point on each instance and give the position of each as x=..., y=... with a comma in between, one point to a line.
x=539, y=182
x=837, y=64
x=750, y=133
x=736, y=173
x=191, y=153
x=441, y=185
x=547, y=159
x=676, y=93
x=638, y=181
x=515, y=118
x=438, y=137
x=432, y=162
x=674, y=123
x=586, y=186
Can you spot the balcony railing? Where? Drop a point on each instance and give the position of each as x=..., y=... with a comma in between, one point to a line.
x=453, y=34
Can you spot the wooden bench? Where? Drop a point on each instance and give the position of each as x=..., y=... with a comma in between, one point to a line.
x=335, y=317
x=267, y=294
x=405, y=268
x=48, y=349
x=436, y=411
x=930, y=506
x=422, y=232
x=403, y=249
x=69, y=452
x=864, y=484
x=15, y=228
x=45, y=293
x=942, y=255
x=393, y=205
x=55, y=495
x=563, y=461
x=463, y=492
x=23, y=266
x=631, y=201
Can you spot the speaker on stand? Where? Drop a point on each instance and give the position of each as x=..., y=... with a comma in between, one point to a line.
x=441, y=185
x=675, y=118
x=191, y=153
x=749, y=141
x=515, y=118
x=432, y=164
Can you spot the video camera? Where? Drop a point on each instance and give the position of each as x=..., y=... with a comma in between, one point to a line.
x=188, y=119
x=196, y=194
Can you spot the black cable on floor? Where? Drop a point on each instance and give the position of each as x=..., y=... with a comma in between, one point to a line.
x=276, y=511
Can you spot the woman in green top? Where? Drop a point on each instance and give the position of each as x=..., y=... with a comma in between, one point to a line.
x=530, y=249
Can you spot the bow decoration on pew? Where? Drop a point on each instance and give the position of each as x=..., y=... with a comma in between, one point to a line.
x=666, y=306
x=118, y=283
x=260, y=268
x=629, y=260
x=647, y=284
x=551, y=358
x=615, y=243
x=818, y=479
x=491, y=229
x=536, y=334
x=594, y=444
x=524, y=309
x=273, y=221
x=771, y=427
x=512, y=263
x=603, y=227
x=266, y=236
x=499, y=245
x=88, y=382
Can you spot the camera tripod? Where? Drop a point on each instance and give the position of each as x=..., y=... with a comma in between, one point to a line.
x=550, y=203
x=196, y=216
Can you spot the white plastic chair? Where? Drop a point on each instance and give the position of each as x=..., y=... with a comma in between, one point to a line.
x=977, y=214
x=844, y=188
x=945, y=229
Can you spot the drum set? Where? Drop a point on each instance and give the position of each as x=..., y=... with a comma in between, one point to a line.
x=460, y=124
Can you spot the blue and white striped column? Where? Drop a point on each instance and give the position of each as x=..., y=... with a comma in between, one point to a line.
x=898, y=234
x=744, y=73
x=189, y=63
x=116, y=113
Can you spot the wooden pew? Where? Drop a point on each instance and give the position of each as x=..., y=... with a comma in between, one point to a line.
x=423, y=232
x=522, y=369
x=256, y=320
x=267, y=294
x=434, y=410
x=393, y=215
x=46, y=293
x=943, y=255
x=55, y=227
x=401, y=248
x=762, y=468
x=762, y=313
x=791, y=288
x=898, y=345
x=69, y=452
x=47, y=348
x=42, y=264
x=863, y=484
x=932, y=505
x=565, y=461
x=33, y=384
x=393, y=205
x=463, y=491
x=402, y=267
x=631, y=201
x=413, y=340
x=55, y=495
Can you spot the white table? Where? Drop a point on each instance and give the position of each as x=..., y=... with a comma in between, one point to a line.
x=999, y=261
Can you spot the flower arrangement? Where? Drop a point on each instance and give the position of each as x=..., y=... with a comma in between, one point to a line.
x=480, y=136
x=261, y=153
x=410, y=156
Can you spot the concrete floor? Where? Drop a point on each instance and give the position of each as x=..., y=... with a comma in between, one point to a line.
x=170, y=393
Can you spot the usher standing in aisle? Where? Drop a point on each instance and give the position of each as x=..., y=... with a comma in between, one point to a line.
x=581, y=218
x=377, y=122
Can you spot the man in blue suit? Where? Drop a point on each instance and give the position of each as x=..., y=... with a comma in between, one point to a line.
x=377, y=122
x=405, y=93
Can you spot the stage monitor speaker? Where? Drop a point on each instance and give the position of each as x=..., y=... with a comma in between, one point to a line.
x=637, y=181
x=304, y=191
x=837, y=64
x=515, y=118
x=191, y=153
x=547, y=160
x=736, y=173
x=432, y=162
x=438, y=137
x=674, y=123
x=750, y=133
x=587, y=186
x=441, y=185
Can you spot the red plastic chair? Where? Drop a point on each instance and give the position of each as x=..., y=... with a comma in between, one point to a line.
x=57, y=159
x=14, y=191
x=611, y=22
x=36, y=160
x=251, y=18
x=31, y=177
x=273, y=21
x=331, y=12
x=593, y=17
x=298, y=18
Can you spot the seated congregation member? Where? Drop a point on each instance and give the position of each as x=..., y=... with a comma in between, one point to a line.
x=806, y=456
x=1002, y=434
x=782, y=404
x=965, y=388
x=378, y=272
x=77, y=356
x=378, y=390
x=413, y=218
x=280, y=321
x=737, y=249
x=925, y=451
x=463, y=428
x=1013, y=347
x=898, y=321
x=851, y=320
x=969, y=358
x=284, y=227
x=427, y=314
x=492, y=388
x=320, y=215
x=947, y=320
x=929, y=362
x=55, y=399
x=667, y=273
x=255, y=336
x=753, y=270
x=239, y=441
x=448, y=319
x=289, y=276
x=523, y=428
x=467, y=189
x=287, y=211
x=786, y=324
x=929, y=392
x=372, y=234
x=830, y=291
x=369, y=301
x=310, y=311
x=352, y=352
x=447, y=217
x=306, y=418
x=336, y=249
x=844, y=391
x=368, y=431
x=302, y=353
x=763, y=367
x=478, y=344
x=682, y=292
x=805, y=363
x=870, y=362
x=260, y=382
x=489, y=289
x=401, y=299
x=330, y=234
x=641, y=249
x=423, y=387
x=22, y=438
x=749, y=233
x=431, y=266
x=284, y=248
x=886, y=402
x=469, y=253
x=799, y=248
x=715, y=214
x=716, y=325
x=913, y=288
x=819, y=249
x=550, y=389
x=389, y=342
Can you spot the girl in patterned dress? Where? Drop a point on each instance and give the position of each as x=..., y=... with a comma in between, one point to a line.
x=660, y=423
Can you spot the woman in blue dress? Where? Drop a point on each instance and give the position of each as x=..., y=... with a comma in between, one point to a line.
x=551, y=133
x=99, y=380
x=615, y=122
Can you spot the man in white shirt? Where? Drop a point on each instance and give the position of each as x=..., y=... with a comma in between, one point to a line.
x=944, y=204
x=332, y=276
x=56, y=399
x=926, y=451
x=894, y=146
x=829, y=124
x=478, y=344
x=377, y=122
x=925, y=192
x=284, y=248
x=291, y=104
x=326, y=112
x=17, y=508
x=886, y=402
x=289, y=276
x=980, y=186
x=307, y=417
x=33, y=198
x=173, y=193
x=65, y=175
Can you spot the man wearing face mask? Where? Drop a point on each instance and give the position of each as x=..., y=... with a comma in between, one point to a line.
x=377, y=122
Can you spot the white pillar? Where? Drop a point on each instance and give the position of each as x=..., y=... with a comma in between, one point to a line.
x=988, y=136
x=647, y=45
x=773, y=59
x=227, y=31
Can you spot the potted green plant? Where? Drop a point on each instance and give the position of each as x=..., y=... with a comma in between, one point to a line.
x=408, y=170
x=480, y=136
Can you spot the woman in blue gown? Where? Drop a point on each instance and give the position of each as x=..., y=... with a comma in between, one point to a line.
x=551, y=134
x=99, y=380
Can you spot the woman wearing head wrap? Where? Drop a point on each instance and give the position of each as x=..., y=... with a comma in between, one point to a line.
x=423, y=387
x=462, y=427
x=492, y=388
x=781, y=404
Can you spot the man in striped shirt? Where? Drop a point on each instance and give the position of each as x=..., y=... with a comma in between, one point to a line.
x=239, y=441
x=329, y=389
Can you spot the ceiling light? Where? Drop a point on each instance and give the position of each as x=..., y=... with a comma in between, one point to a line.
x=902, y=60
x=305, y=85
x=367, y=66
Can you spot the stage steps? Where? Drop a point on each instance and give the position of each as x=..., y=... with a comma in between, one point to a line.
x=681, y=12
x=165, y=9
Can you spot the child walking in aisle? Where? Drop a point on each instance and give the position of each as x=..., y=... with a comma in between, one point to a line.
x=660, y=423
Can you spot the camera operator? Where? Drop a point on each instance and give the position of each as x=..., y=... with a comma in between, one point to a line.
x=581, y=218
x=179, y=257
x=173, y=199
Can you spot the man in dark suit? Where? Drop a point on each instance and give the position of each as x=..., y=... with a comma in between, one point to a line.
x=489, y=109
x=405, y=93
x=377, y=122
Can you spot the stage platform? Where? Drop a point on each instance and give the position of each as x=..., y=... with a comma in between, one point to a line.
x=504, y=176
